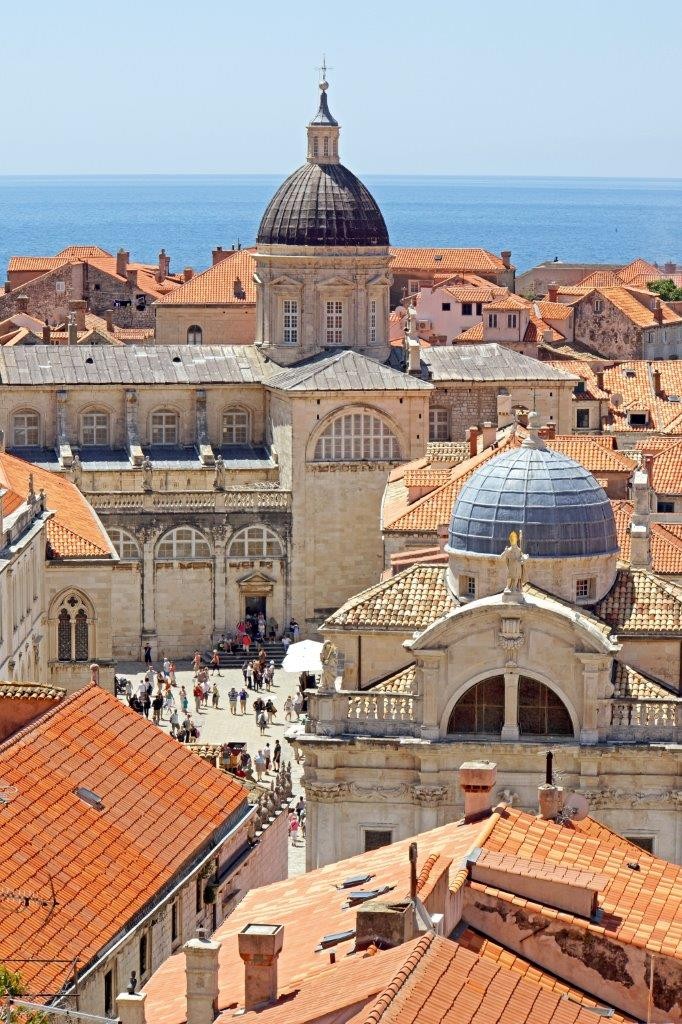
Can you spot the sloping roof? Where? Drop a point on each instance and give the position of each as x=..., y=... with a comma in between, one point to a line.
x=665, y=540
x=160, y=805
x=443, y=261
x=630, y=684
x=641, y=603
x=582, y=369
x=144, y=364
x=602, y=279
x=665, y=466
x=447, y=451
x=403, y=681
x=346, y=370
x=635, y=309
x=638, y=268
x=490, y=362
x=37, y=264
x=411, y=600
x=633, y=381
x=228, y=283
x=30, y=691
x=553, y=310
x=74, y=531
x=83, y=252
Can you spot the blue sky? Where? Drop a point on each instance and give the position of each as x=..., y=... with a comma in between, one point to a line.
x=213, y=86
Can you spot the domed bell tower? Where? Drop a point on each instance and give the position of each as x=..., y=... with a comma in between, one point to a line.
x=322, y=259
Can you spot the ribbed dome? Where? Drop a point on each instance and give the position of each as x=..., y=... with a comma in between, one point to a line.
x=555, y=501
x=322, y=204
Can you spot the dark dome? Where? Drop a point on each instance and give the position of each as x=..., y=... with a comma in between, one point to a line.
x=322, y=204
x=557, y=503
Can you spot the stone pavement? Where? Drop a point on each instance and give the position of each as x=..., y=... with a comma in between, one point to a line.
x=221, y=726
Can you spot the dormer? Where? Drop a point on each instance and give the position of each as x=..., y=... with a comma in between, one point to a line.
x=323, y=133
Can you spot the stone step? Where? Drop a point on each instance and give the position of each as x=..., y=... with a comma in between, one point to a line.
x=273, y=648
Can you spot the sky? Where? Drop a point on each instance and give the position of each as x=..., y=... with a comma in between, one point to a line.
x=458, y=88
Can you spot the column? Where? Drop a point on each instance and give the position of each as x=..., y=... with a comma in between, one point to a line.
x=510, y=729
x=428, y=673
x=63, y=446
x=595, y=688
x=148, y=611
x=132, y=427
x=219, y=581
x=206, y=456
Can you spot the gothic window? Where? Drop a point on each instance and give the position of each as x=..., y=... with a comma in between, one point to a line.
x=183, y=542
x=126, y=546
x=541, y=712
x=326, y=145
x=372, y=321
x=94, y=429
x=195, y=335
x=73, y=630
x=334, y=322
x=357, y=437
x=236, y=427
x=26, y=429
x=164, y=427
x=480, y=709
x=439, y=425
x=290, y=321
x=255, y=542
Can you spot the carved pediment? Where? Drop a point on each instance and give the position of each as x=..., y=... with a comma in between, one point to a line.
x=335, y=282
x=380, y=280
x=256, y=578
x=286, y=283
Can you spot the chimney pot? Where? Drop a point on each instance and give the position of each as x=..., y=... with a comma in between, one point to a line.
x=164, y=266
x=122, y=261
x=550, y=800
x=488, y=435
x=414, y=357
x=506, y=257
x=219, y=254
x=201, y=967
x=385, y=924
x=600, y=379
x=8, y=287
x=259, y=948
x=109, y=317
x=22, y=303
x=131, y=277
x=477, y=781
x=473, y=441
x=77, y=307
x=553, y=291
x=46, y=334
x=657, y=382
x=187, y=274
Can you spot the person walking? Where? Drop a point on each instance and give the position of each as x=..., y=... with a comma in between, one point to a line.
x=198, y=695
x=258, y=706
x=157, y=707
x=146, y=703
x=196, y=662
x=243, y=697
x=249, y=675
x=184, y=700
x=245, y=672
x=272, y=628
x=268, y=757
x=271, y=711
x=259, y=765
x=148, y=654
x=215, y=662
x=298, y=705
x=174, y=722
x=288, y=708
x=277, y=756
x=233, y=696
x=171, y=674
x=293, y=828
x=262, y=723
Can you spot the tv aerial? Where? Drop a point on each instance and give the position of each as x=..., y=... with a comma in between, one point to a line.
x=575, y=808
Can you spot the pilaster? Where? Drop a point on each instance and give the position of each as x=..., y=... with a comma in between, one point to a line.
x=63, y=446
x=132, y=427
x=510, y=729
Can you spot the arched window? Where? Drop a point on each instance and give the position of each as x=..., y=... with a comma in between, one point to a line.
x=326, y=145
x=255, y=542
x=164, y=427
x=25, y=429
x=126, y=546
x=236, y=427
x=182, y=543
x=357, y=437
x=94, y=428
x=541, y=712
x=195, y=335
x=439, y=425
x=480, y=709
x=73, y=630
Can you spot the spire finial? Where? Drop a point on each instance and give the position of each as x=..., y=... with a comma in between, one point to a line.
x=324, y=84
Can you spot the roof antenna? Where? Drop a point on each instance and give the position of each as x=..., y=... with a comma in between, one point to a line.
x=412, y=854
x=549, y=773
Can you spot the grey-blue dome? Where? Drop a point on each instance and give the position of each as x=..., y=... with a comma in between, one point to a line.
x=556, y=502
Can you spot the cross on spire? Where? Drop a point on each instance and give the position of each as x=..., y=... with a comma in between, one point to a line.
x=323, y=68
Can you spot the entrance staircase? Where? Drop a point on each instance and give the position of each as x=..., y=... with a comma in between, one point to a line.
x=274, y=649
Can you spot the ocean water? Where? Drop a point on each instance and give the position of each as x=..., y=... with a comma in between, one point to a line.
x=577, y=219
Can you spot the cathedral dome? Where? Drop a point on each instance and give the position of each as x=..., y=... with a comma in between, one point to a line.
x=557, y=504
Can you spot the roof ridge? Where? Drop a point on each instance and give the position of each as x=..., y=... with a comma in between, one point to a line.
x=377, y=588
x=71, y=699
x=385, y=999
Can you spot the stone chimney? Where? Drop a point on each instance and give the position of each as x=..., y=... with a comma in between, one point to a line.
x=553, y=292
x=384, y=924
x=47, y=334
x=259, y=948
x=656, y=381
x=600, y=379
x=658, y=312
x=640, y=547
x=71, y=330
x=550, y=800
x=164, y=266
x=548, y=432
x=122, y=261
x=220, y=254
x=488, y=435
x=506, y=257
x=477, y=781
x=130, y=1007
x=8, y=287
x=414, y=357
x=472, y=434
x=109, y=317
x=187, y=274
x=77, y=307
x=131, y=276
x=670, y=268
x=22, y=303
x=201, y=967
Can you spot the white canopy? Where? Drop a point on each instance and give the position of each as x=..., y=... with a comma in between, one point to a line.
x=303, y=656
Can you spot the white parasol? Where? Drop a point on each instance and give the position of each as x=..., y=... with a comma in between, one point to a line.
x=303, y=656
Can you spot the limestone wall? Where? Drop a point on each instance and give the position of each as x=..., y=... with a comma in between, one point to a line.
x=659, y=658
x=220, y=325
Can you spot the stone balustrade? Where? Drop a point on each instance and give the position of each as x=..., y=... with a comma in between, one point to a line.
x=193, y=501
x=363, y=713
x=644, y=720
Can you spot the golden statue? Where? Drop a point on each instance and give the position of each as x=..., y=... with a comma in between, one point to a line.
x=515, y=558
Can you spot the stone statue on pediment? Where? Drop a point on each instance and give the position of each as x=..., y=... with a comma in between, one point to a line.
x=76, y=470
x=219, y=478
x=147, y=474
x=515, y=559
x=329, y=658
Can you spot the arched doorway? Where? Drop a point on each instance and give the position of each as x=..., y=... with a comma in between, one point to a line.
x=480, y=711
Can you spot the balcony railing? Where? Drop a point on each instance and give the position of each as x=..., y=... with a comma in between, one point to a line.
x=364, y=713
x=191, y=501
x=644, y=721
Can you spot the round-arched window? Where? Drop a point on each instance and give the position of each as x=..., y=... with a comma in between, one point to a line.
x=195, y=335
x=480, y=711
x=357, y=437
x=255, y=542
x=184, y=542
x=126, y=546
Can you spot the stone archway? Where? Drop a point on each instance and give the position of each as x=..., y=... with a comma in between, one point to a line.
x=483, y=709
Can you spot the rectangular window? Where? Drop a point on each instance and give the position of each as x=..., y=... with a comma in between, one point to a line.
x=175, y=922
x=598, y=306
x=492, y=319
x=109, y=994
x=467, y=309
x=584, y=589
x=644, y=842
x=372, y=321
x=290, y=326
x=445, y=306
x=143, y=956
x=374, y=838
x=467, y=586
x=439, y=425
x=637, y=419
x=413, y=287
x=326, y=145
x=479, y=309
x=334, y=322
x=95, y=429
x=198, y=898
x=236, y=427
x=60, y=287
x=26, y=430
x=164, y=428
x=511, y=319
x=582, y=419
x=665, y=506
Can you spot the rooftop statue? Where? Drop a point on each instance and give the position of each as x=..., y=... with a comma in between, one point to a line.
x=515, y=558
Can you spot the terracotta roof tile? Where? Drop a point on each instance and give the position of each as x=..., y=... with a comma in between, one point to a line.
x=666, y=467
x=160, y=803
x=74, y=531
x=602, y=279
x=409, y=601
x=631, y=684
x=627, y=301
x=447, y=451
x=638, y=268
x=83, y=252
x=217, y=285
x=581, y=368
x=404, y=681
x=641, y=603
x=434, y=555
x=474, y=333
x=33, y=691
x=553, y=310
x=451, y=261
x=429, y=476
x=39, y=264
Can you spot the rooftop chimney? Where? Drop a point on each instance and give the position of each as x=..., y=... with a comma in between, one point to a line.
x=477, y=780
x=22, y=303
x=201, y=966
x=187, y=274
x=600, y=379
x=259, y=948
x=550, y=800
x=473, y=441
x=506, y=257
x=656, y=378
x=47, y=334
x=553, y=291
x=122, y=261
x=658, y=312
x=670, y=268
x=109, y=317
x=385, y=924
x=640, y=546
x=130, y=1007
x=548, y=432
x=164, y=266
x=219, y=254
x=131, y=276
x=414, y=357
x=488, y=435
x=8, y=287
x=71, y=330
x=77, y=307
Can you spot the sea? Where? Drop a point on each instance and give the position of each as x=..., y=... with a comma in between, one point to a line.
x=600, y=220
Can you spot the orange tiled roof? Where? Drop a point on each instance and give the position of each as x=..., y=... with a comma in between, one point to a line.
x=40, y=264
x=474, y=333
x=133, y=334
x=537, y=329
x=602, y=279
x=216, y=286
x=146, y=281
x=434, y=555
x=665, y=541
x=641, y=603
x=83, y=252
x=74, y=531
x=639, y=268
x=666, y=466
x=403, y=681
x=443, y=261
x=429, y=476
x=409, y=601
x=447, y=451
x=471, y=293
x=509, y=301
x=626, y=300
x=160, y=803
x=581, y=368
x=553, y=310
x=633, y=381
x=630, y=684
x=32, y=691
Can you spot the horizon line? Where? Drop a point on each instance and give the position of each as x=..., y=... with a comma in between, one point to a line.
x=383, y=174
